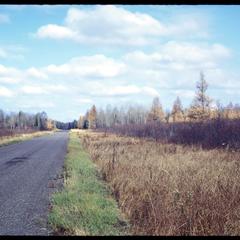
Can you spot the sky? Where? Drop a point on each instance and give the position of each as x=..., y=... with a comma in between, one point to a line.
x=62, y=59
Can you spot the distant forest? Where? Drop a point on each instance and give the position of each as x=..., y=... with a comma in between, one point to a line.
x=21, y=122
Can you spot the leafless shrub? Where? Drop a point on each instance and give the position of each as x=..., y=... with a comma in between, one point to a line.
x=216, y=133
x=11, y=133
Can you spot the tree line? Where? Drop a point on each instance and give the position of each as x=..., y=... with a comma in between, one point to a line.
x=199, y=110
x=67, y=125
x=22, y=122
x=200, y=123
x=11, y=123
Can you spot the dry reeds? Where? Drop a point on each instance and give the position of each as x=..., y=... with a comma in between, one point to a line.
x=168, y=189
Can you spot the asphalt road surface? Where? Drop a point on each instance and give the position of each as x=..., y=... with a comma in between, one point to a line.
x=27, y=173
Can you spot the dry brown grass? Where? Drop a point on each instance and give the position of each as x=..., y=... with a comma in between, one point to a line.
x=5, y=140
x=170, y=189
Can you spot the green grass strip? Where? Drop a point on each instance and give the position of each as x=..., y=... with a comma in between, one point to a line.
x=85, y=205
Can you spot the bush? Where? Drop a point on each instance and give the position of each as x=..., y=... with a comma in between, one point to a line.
x=214, y=133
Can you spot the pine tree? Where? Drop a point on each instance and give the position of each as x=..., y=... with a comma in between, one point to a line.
x=200, y=108
x=177, y=111
x=156, y=113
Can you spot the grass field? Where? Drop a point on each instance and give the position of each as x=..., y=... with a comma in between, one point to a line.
x=6, y=140
x=85, y=205
x=168, y=189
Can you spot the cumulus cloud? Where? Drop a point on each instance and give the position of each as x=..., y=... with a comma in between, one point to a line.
x=8, y=70
x=181, y=55
x=33, y=90
x=83, y=100
x=10, y=75
x=37, y=105
x=177, y=64
x=107, y=24
x=193, y=53
x=43, y=89
x=173, y=68
x=183, y=93
x=9, y=80
x=150, y=91
x=105, y=90
x=89, y=66
x=35, y=73
x=55, y=31
x=5, y=92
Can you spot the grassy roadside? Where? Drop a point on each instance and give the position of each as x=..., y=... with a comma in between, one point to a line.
x=84, y=206
x=21, y=137
x=170, y=189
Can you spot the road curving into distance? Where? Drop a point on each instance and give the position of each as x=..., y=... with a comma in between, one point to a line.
x=27, y=170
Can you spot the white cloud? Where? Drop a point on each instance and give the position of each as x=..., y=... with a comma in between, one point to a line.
x=195, y=53
x=83, y=100
x=105, y=90
x=45, y=105
x=43, y=89
x=33, y=90
x=150, y=91
x=9, y=80
x=10, y=75
x=7, y=70
x=35, y=73
x=183, y=93
x=5, y=92
x=180, y=55
x=38, y=105
x=173, y=68
x=108, y=24
x=120, y=90
x=177, y=64
x=88, y=66
x=57, y=88
x=55, y=31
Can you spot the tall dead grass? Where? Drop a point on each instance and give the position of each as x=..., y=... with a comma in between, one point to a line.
x=5, y=140
x=168, y=189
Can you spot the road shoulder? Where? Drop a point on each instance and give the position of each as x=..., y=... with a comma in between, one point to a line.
x=4, y=141
x=85, y=205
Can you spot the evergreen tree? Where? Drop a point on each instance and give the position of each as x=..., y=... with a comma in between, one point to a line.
x=156, y=113
x=200, y=108
x=177, y=111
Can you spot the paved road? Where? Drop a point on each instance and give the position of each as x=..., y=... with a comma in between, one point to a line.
x=26, y=172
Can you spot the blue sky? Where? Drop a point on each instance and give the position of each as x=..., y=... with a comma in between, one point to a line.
x=63, y=59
